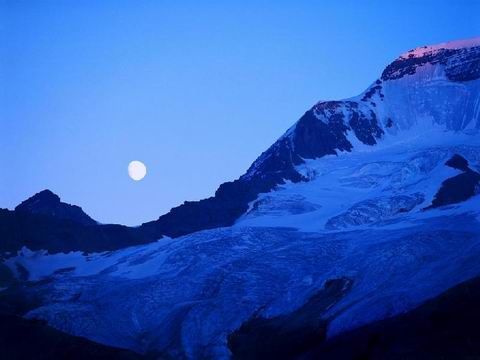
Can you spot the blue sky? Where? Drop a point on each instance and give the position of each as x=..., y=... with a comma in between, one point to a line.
x=195, y=89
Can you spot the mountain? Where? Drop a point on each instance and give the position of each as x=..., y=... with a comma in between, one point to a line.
x=44, y=232
x=425, y=88
x=43, y=222
x=365, y=209
x=47, y=203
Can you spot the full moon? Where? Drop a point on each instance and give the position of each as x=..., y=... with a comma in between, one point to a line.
x=137, y=170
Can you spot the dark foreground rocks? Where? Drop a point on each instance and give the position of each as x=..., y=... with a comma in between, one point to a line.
x=33, y=340
x=287, y=336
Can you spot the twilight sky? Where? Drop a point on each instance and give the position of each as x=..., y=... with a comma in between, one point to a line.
x=195, y=89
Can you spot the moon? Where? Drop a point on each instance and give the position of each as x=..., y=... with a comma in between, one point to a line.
x=137, y=170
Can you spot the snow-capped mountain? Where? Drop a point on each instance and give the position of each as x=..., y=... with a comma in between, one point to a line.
x=429, y=87
x=364, y=209
x=432, y=87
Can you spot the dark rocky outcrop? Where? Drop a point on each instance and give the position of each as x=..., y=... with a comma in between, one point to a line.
x=289, y=335
x=47, y=203
x=458, y=162
x=445, y=327
x=39, y=231
x=458, y=188
x=376, y=89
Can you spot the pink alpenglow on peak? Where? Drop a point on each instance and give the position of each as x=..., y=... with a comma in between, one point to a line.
x=458, y=61
x=451, y=45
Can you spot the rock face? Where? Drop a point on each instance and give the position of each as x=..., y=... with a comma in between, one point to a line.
x=323, y=130
x=47, y=203
x=458, y=162
x=288, y=335
x=458, y=188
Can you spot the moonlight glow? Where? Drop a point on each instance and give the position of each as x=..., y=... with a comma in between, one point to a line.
x=137, y=170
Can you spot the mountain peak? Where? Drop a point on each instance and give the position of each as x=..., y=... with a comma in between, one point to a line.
x=458, y=61
x=450, y=45
x=48, y=203
x=43, y=197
